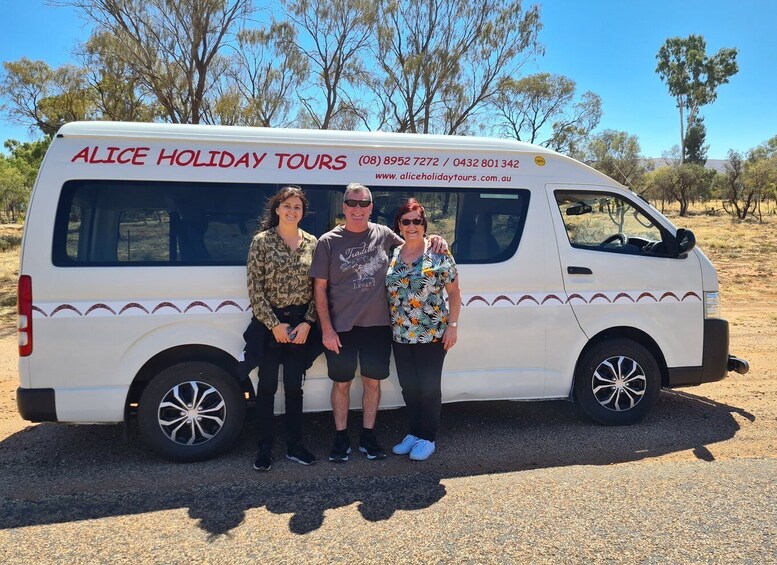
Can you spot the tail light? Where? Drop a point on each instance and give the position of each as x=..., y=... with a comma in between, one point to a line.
x=24, y=309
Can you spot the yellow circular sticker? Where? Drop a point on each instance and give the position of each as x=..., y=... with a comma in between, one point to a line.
x=540, y=160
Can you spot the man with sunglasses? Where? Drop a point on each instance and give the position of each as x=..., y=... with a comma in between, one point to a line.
x=349, y=271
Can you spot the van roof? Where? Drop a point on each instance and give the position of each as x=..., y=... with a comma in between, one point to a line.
x=287, y=135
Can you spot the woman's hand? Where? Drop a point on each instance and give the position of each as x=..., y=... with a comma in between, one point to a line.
x=301, y=333
x=281, y=333
x=449, y=337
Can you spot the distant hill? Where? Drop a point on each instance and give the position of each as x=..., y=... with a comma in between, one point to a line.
x=714, y=164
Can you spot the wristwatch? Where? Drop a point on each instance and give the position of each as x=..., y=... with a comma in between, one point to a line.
x=454, y=324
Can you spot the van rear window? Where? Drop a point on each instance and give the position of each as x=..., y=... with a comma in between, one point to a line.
x=117, y=223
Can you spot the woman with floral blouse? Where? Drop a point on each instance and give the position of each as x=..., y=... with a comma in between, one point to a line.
x=281, y=295
x=424, y=326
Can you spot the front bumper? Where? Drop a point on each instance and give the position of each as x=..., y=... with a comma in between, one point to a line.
x=716, y=361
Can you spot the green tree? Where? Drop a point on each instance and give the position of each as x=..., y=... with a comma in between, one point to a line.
x=543, y=109
x=737, y=199
x=17, y=174
x=14, y=193
x=693, y=77
x=118, y=92
x=333, y=36
x=618, y=155
x=173, y=47
x=45, y=98
x=681, y=182
x=441, y=61
x=695, y=150
x=262, y=81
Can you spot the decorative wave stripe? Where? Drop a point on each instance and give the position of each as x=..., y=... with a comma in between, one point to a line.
x=560, y=298
x=475, y=301
x=141, y=308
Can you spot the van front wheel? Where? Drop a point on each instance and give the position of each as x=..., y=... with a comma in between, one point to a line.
x=191, y=411
x=617, y=382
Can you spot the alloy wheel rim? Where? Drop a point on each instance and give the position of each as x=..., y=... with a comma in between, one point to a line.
x=619, y=383
x=192, y=413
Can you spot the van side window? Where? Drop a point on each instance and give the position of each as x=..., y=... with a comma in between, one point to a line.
x=144, y=236
x=602, y=221
x=122, y=223
x=481, y=227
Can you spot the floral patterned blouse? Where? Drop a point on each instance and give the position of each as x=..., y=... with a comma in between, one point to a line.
x=418, y=308
x=278, y=276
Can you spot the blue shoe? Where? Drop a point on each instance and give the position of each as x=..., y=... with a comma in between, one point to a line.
x=422, y=450
x=406, y=446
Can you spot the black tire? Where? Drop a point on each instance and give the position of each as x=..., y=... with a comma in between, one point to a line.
x=169, y=419
x=617, y=382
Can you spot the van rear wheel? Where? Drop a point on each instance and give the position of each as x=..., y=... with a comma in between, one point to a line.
x=191, y=411
x=617, y=382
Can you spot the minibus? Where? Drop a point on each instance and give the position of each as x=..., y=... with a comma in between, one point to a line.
x=133, y=298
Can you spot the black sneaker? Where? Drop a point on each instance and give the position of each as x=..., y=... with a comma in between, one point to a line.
x=369, y=445
x=340, y=449
x=297, y=452
x=263, y=460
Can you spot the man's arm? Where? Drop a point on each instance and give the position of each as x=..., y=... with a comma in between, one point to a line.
x=330, y=338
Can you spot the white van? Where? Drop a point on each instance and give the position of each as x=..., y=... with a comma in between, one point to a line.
x=132, y=287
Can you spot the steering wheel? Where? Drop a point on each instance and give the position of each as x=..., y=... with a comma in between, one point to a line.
x=621, y=237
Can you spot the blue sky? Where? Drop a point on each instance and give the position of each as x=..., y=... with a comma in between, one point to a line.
x=606, y=46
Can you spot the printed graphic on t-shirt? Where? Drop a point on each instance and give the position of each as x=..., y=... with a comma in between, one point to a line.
x=364, y=262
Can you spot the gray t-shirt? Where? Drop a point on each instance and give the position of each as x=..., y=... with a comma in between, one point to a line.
x=354, y=265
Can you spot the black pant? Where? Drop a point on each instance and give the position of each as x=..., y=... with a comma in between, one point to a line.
x=419, y=368
x=293, y=361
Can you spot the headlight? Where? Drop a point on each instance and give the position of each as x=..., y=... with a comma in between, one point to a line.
x=712, y=304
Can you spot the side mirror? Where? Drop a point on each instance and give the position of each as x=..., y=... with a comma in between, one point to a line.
x=579, y=209
x=685, y=241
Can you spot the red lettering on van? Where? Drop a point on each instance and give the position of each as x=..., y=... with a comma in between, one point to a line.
x=83, y=154
x=258, y=158
x=111, y=155
x=163, y=157
x=340, y=163
x=310, y=162
x=242, y=161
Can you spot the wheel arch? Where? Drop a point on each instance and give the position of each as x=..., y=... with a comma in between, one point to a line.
x=181, y=354
x=626, y=332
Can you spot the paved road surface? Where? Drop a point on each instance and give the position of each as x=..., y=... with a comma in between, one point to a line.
x=511, y=482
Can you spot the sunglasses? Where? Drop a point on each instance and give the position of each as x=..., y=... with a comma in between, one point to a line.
x=414, y=221
x=361, y=203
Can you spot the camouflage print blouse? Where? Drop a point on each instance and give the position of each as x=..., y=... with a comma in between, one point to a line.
x=278, y=276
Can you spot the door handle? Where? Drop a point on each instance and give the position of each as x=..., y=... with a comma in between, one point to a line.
x=579, y=271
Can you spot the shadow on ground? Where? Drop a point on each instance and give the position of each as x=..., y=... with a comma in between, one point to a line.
x=54, y=473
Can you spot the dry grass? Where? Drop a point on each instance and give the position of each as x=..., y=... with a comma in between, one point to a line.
x=743, y=252
x=10, y=235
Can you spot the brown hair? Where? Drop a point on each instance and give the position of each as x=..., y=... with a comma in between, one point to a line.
x=270, y=218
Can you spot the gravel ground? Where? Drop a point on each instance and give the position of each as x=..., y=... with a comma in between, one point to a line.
x=511, y=482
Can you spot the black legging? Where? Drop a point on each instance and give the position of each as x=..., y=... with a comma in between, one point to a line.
x=293, y=361
x=419, y=368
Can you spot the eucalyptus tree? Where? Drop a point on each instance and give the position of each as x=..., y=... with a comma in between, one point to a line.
x=618, y=155
x=118, y=92
x=693, y=77
x=440, y=61
x=333, y=37
x=44, y=98
x=173, y=47
x=543, y=108
x=262, y=79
